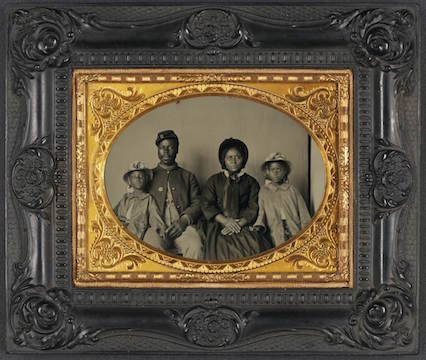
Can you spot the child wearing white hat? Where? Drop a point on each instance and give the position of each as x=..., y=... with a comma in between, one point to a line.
x=282, y=209
x=137, y=209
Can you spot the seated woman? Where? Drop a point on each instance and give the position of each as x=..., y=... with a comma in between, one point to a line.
x=137, y=209
x=229, y=203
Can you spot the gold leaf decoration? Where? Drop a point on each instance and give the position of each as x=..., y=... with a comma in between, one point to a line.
x=139, y=107
x=321, y=101
x=107, y=253
x=106, y=103
x=211, y=78
x=213, y=277
x=320, y=254
x=104, y=110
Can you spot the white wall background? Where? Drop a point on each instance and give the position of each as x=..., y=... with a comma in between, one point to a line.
x=201, y=124
x=317, y=176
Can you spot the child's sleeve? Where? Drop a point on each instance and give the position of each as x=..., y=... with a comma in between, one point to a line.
x=154, y=218
x=304, y=215
x=120, y=211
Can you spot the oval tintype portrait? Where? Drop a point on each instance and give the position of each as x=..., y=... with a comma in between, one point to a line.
x=214, y=178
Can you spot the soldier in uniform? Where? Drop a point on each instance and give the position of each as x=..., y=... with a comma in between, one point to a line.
x=177, y=194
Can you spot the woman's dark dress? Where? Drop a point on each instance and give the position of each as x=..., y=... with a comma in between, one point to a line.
x=236, y=199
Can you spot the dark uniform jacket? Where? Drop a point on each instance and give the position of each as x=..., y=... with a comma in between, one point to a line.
x=184, y=188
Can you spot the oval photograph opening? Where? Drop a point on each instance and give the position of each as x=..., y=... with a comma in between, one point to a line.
x=214, y=178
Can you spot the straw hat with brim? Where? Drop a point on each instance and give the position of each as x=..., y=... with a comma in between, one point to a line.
x=134, y=166
x=275, y=157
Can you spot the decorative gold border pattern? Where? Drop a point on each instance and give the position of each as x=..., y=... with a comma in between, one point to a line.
x=106, y=101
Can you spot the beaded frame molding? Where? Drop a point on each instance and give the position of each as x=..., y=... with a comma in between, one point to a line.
x=44, y=44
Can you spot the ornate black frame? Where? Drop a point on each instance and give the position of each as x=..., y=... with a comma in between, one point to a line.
x=45, y=314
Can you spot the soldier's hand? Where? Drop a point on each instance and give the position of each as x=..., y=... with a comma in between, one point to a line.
x=183, y=222
x=174, y=230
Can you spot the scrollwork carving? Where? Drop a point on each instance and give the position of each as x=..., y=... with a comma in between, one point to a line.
x=393, y=178
x=382, y=318
x=43, y=319
x=105, y=103
x=106, y=254
x=33, y=177
x=211, y=326
x=42, y=38
x=321, y=101
x=383, y=39
x=213, y=29
x=320, y=254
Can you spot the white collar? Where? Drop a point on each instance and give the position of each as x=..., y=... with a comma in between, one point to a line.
x=132, y=192
x=241, y=173
x=271, y=185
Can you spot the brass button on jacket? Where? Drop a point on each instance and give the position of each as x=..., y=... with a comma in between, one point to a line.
x=186, y=191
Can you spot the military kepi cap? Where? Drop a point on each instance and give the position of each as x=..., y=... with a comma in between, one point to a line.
x=166, y=134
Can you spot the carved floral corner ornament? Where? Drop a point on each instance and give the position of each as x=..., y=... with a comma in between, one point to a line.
x=381, y=319
x=42, y=318
x=383, y=39
x=41, y=38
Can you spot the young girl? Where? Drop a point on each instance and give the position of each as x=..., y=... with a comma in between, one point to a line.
x=282, y=209
x=137, y=209
x=229, y=203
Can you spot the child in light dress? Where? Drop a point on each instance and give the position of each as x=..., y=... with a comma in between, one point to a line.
x=137, y=209
x=282, y=209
